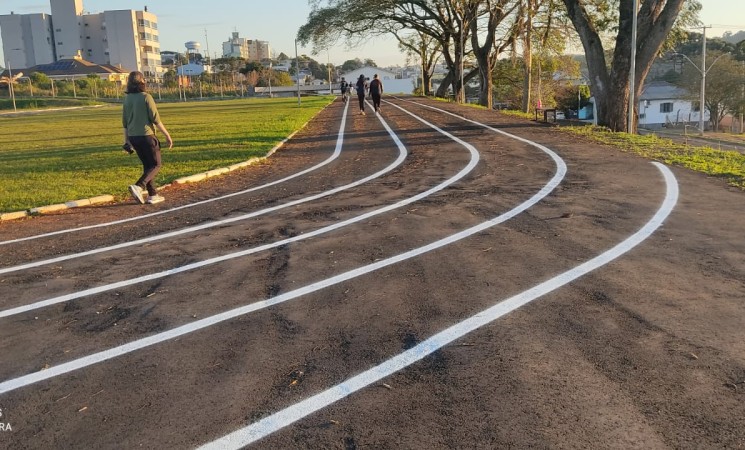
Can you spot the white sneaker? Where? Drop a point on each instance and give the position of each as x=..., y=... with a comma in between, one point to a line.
x=136, y=192
x=362, y=113
x=155, y=199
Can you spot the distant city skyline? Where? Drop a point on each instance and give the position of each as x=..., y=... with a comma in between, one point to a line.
x=279, y=21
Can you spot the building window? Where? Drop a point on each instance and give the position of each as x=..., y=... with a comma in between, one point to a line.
x=142, y=35
x=140, y=23
x=156, y=38
x=154, y=25
x=666, y=107
x=58, y=30
x=87, y=37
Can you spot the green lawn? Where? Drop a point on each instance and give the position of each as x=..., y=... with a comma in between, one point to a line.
x=58, y=156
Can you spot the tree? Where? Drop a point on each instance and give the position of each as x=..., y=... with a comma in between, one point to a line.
x=351, y=65
x=610, y=82
x=354, y=22
x=427, y=50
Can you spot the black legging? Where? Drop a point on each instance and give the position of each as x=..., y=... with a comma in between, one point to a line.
x=148, y=149
x=376, y=100
x=361, y=98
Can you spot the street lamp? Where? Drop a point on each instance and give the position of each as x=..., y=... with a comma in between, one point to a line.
x=703, y=71
x=10, y=86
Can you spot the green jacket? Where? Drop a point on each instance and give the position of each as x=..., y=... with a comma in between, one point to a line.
x=140, y=115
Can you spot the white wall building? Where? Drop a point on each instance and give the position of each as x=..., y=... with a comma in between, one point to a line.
x=235, y=47
x=662, y=103
x=127, y=39
x=28, y=39
x=391, y=85
x=248, y=49
x=67, y=18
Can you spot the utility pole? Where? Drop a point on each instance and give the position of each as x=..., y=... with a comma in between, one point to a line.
x=632, y=70
x=297, y=73
x=703, y=82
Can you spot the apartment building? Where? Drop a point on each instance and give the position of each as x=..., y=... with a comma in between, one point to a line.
x=28, y=39
x=248, y=49
x=127, y=39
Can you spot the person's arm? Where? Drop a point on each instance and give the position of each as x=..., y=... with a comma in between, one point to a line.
x=167, y=135
x=124, y=124
x=155, y=119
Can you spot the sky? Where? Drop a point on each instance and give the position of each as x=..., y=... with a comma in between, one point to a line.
x=277, y=21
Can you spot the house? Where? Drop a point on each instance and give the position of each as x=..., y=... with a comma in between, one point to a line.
x=391, y=85
x=66, y=69
x=662, y=104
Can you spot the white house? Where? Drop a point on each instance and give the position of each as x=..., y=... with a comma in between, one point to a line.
x=391, y=85
x=662, y=104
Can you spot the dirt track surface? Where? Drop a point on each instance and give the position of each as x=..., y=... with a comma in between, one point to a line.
x=647, y=351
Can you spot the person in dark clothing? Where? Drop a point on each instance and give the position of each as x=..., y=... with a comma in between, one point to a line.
x=140, y=118
x=376, y=91
x=344, y=88
x=361, y=92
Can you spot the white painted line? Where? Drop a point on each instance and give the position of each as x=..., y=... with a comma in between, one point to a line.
x=139, y=344
x=402, y=155
x=287, y=416
x=333, y=156
x=204, y=226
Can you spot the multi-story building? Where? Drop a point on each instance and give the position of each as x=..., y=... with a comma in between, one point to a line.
x=127, y=39
x=67, y=18
x=28, y=39
x=248, y=49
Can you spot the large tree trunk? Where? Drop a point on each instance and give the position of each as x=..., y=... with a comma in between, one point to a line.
x=611, y=88
x=486, y=85
x=442, y=89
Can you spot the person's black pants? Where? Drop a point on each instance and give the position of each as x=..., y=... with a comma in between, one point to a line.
x=361, y=98
x=376, y=101
x=148, y=150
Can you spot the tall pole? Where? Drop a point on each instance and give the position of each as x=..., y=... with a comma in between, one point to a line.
x=297, y=73
x=424, y=90
x=10, y=87
x=328, y=67
x=703, y=83
x=269, y=77
x=462, y=57
x=632, y=69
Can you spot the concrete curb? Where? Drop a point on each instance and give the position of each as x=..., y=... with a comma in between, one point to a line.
x=41, y=210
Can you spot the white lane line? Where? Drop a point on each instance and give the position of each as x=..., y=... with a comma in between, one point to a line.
x=402, y=155
x=204, y=226
x=333, y=156
x=25, y=380
x=287, y=416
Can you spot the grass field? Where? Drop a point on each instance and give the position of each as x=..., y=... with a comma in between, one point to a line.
x=58, y=156
x=729, y=165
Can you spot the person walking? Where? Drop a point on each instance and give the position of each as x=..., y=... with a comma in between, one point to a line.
x=140, y=118
x=361, y=92
x=344, y=87
x=376, y=91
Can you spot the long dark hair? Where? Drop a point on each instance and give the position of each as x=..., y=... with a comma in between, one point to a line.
x=136, y=83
